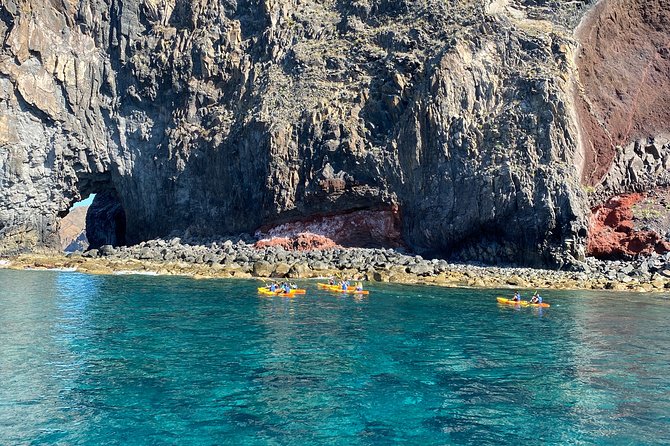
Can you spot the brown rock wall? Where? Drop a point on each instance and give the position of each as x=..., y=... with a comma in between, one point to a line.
x=624, y=79
x=73, y=226
x=613, y=234
x=367, y=228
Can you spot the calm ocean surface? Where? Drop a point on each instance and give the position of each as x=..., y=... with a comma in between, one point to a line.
x=91, y=360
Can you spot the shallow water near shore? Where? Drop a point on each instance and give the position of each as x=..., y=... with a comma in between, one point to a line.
x=93, y=360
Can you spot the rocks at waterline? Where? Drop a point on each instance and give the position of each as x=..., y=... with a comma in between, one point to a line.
x=238, y=257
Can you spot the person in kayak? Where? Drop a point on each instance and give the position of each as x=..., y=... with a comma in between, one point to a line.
x=331, y=281
x=517, y=297
x=273, y=287
x=536, y=299
x=345, y=285
x=359, y=286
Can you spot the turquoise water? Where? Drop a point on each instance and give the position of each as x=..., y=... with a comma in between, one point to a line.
x=92, y=360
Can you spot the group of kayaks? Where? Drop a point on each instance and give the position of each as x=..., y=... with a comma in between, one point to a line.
x=265, y=291
x=353, y=290
x=521, y=303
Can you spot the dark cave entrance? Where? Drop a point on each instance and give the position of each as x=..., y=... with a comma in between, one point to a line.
x=105, y=221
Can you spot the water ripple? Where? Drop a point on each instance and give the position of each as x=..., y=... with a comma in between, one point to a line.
x=133, y=359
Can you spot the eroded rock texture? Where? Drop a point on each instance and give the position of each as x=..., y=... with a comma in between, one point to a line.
x=613, y=231
x=211, y=117
x=364, y=229
x=623, y=102
x=624, y=88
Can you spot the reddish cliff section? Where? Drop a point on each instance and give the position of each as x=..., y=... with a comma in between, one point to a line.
x=305, y=241
x=624, y=76
x=613, y=234
x=365, y=228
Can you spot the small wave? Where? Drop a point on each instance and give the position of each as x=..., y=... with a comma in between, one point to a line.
x=65, y=270
x=139, y=273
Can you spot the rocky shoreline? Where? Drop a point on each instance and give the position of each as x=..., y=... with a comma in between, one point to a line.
x=240, y=259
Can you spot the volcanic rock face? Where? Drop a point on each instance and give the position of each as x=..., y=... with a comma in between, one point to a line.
x=623, y=102
x=624, y=82
x=212, y=117
x=365, y=229
x=613, y=234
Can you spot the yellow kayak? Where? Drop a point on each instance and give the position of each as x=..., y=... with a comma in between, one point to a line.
x=328, y=286
x=338, y=289
x=521, y=303
x=266, y=291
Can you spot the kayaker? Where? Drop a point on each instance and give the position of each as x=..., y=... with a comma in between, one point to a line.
x=273, y=287
x=359, y=286
x=517, y=297
x=331, y=281
x=344, y=285
x=286, y=288
x=536, y=299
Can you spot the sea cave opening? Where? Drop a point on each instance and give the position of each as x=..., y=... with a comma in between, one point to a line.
x=106, y=220
x=73, y=226
x=95, y=221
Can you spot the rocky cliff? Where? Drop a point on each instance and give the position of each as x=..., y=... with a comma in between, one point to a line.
x=623, y=104
x=72, y=233
x=206, y=117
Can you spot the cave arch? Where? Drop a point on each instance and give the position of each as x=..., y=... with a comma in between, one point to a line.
x=106, y=217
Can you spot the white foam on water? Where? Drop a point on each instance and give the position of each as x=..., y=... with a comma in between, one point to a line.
x=139, y=273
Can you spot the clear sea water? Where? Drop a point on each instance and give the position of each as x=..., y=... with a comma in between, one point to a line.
x=92, y=360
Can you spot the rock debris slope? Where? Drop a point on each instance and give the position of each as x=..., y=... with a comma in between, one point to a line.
x=214, y=117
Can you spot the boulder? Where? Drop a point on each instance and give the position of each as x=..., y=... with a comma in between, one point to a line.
x=262, y=268
x=297, y=271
